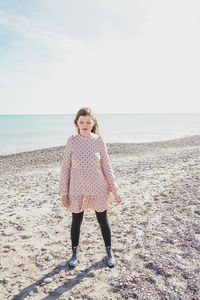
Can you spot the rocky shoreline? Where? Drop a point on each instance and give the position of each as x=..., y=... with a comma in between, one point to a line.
x=155, y=230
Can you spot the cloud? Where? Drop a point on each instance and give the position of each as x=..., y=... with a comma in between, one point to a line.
x=4, y=81
x=146, y=59
x=35, y=31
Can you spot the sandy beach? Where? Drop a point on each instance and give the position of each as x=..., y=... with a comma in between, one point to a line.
x=155, y=230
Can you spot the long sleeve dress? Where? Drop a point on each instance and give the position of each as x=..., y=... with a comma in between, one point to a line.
x=86, y=175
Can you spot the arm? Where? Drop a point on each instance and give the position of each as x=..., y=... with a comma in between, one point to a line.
x=106, y=168
x=65, y=168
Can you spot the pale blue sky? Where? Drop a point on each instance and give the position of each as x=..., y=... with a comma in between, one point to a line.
x=112, y=55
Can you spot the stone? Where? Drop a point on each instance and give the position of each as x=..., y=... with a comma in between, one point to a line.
x=63, y=263
x=47, y=280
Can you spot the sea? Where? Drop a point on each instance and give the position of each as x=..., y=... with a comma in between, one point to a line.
x=20, y=133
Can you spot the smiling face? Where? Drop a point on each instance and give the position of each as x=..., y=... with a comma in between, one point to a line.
x=85, y=124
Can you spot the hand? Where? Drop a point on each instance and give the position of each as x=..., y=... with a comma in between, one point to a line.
x=117, y=198
x=65, y=201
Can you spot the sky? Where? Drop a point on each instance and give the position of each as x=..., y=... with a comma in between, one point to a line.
x=114, y=56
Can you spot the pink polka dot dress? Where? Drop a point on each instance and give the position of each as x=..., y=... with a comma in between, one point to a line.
x=86, y=174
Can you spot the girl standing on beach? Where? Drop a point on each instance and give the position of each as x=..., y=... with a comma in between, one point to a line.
x=87, y=180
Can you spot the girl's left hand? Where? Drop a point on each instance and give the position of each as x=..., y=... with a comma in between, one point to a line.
x=117, y=198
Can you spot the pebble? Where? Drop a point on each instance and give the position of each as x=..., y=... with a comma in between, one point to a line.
x=38, y=264
x=25, y=236
x=63, y=263
x=32, y=292
x=56, y=270
x=44, y=267
x=81, y=274
x=46, y=290
x=89, y=253
x=47, y=280
x=49, y=258
x=52, y=242
x=7, y=233
x=6, y=280
x=20, y=227
x=6, y=246
x=43, y=249
x=177, y=297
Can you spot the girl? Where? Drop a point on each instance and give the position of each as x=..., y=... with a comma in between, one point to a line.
x=87, y=180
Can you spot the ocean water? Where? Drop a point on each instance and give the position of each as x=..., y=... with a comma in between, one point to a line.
x=19, y=133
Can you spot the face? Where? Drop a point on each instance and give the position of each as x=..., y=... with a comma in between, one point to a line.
x=85, y=124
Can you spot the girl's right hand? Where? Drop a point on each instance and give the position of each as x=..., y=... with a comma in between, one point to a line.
x=65, y=201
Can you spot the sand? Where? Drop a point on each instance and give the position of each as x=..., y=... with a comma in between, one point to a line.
x=155, y=230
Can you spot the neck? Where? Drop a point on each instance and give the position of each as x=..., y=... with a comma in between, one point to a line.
x=84, y=135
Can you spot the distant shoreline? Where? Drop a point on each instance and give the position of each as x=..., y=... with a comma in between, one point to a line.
x=28, y=133
x=114, y=148
x=43, y=158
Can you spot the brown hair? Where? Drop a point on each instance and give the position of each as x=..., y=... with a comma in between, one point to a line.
x=86, y=111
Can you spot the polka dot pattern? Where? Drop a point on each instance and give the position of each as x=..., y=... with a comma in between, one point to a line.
x=86, y=174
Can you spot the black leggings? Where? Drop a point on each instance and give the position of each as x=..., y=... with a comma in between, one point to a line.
x=102, y=220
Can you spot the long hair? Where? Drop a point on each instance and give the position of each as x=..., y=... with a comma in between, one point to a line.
x=86, y=111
